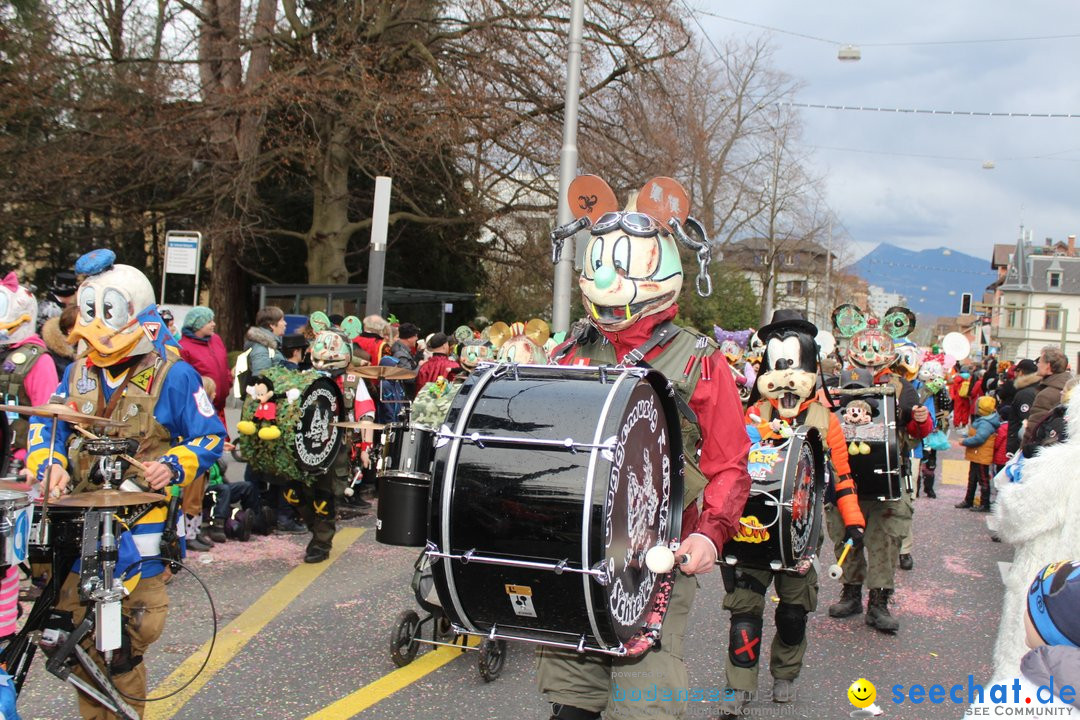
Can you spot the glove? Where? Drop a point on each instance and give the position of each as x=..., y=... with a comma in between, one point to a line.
x=854, y=533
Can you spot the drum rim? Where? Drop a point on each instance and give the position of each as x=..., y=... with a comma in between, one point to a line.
x=817, y=456
x=586, y=513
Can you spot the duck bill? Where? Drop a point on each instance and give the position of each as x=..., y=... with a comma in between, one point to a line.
x=106, y=346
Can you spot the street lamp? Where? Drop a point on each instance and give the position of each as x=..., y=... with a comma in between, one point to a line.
x=849, y=53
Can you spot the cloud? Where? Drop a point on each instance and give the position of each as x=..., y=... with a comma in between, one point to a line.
x=948, y=199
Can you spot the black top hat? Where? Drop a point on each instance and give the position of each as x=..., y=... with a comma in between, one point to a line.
x=787, y=319
x=291, y=342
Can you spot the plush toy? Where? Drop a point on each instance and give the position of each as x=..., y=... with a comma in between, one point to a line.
x=858, y=412
x=262, y=390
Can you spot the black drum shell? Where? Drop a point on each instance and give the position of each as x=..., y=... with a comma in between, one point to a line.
x=528, y=503
x=403, y=510
x=407, y=450
x=778, y=546
x=877, y=474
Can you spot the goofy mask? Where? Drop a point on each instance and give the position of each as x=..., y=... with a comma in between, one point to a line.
x=789, y=364
x=870, y=341
x=110, y=300
x=18, y=311
x=631, y=264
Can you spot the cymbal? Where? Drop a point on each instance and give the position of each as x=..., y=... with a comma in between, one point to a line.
x=109, y=499
x=359, y=425
x=61, y=412
x=14, y=486
x=384, y=372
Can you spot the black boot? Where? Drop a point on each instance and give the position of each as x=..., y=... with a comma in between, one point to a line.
x=928, y=482
x=877, y=611
x=850, y=602
x=969, y=497
x=216, y=531
x=569, y=712
x=906, y=561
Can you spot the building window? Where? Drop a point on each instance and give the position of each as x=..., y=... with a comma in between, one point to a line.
x=1052, y=319
x=789, y=258
x=759, y=259
x=1053, y=280
x=796, y=288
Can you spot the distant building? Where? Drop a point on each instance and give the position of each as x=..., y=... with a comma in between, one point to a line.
x=878, y=300
x=805, y=279
x=1038, y=300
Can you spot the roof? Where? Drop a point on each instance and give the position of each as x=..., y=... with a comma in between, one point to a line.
x=793, y=245
x=1042, y=266
x=1002, y=253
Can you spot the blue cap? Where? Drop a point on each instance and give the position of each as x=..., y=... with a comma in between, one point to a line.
x=1054, y=603
x=95, y=262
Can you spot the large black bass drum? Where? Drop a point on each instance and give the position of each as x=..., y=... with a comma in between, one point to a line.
x=780, y=527
x=550, y=483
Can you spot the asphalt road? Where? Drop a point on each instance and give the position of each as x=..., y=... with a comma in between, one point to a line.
x=303, y=641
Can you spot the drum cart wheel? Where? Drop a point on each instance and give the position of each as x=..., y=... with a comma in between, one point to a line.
x=403, y=644
x=492, y=659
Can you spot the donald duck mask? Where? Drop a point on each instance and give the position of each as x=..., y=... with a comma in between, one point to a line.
x=18, y=311
x=110, y=299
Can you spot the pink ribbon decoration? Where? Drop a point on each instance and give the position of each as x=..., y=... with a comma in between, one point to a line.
x=11, y=282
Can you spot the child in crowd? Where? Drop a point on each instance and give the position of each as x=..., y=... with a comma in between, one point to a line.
x=1049, y=673
x=980, y=453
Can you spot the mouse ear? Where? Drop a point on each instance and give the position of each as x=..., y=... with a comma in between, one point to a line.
x=589, y=195
x=663, y=199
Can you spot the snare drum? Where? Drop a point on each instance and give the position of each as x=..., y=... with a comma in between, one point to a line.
x=780, y=527
x=407, y=450
x=550, y=484
x=877, y=472
x=15, y=516
x=404, y=472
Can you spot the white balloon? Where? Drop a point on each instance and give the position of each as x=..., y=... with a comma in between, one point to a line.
x=956, y=345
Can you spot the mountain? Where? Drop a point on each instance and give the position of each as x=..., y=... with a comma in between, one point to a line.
x=931, y=280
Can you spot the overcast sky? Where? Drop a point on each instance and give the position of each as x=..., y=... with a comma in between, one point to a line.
x=880, y=193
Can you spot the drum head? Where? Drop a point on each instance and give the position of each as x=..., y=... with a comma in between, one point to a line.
x=317, y=439
x=805, y=493
x=638, y=512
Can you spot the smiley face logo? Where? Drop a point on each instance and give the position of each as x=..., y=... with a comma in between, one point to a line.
x=862, y=693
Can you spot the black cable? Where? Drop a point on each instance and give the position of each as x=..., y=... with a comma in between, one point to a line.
x=209, y=651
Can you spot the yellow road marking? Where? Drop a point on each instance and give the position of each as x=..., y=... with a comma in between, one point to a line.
x=234, y=636
x=954, y=472
x=387, y=685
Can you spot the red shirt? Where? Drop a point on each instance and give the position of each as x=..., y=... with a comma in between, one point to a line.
x=438, y=365
x=724, y=442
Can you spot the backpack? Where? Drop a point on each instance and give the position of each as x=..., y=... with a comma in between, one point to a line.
x=241, y=373
x=965, y=388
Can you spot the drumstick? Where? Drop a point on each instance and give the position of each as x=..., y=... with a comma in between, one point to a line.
x=661, y=559
x=835, y=571
x=91, y=436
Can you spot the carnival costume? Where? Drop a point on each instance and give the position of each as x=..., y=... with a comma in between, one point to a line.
x=870, y=348
x=128, y=368
x=630, y=282
x=783, y=399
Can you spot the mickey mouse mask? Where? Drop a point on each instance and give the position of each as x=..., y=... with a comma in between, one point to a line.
x=870, y=339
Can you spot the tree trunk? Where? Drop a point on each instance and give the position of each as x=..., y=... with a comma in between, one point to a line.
x=226, y=297
x=328, y=237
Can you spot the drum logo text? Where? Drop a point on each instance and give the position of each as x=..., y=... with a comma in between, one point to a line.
x=761, y=461
x=314, y=444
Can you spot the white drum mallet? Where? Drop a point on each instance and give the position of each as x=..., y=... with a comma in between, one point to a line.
x=661, y=559
x=835, y=571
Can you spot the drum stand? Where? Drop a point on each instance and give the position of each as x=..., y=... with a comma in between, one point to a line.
x=105, y=591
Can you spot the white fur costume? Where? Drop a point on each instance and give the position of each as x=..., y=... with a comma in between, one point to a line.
x=1040, y=517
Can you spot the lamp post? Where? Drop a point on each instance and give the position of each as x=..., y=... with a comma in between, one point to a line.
x=564, y=269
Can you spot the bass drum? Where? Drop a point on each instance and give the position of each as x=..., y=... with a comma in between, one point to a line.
x=550, y=484
x=780, y=527
x=309, y=405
